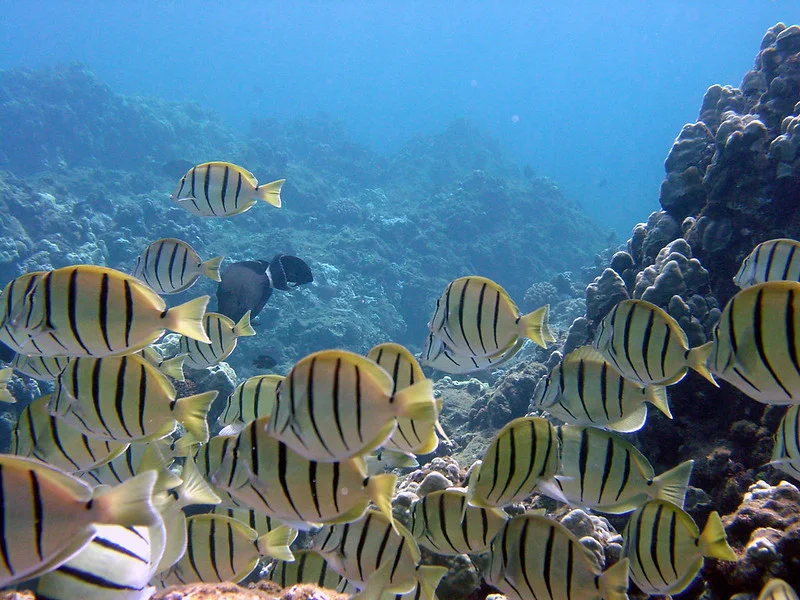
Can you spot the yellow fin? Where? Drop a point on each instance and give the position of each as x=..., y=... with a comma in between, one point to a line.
x=194, y=489
x=153, y=459
x=271, y=192
x=633, y=422
x=380, y=489
x=417, y=401
x=428, y=577
x=696, y=359
x=5, y=379
x=714, y=541
x=613, y=582
x=535, y=327
x=173, y=367
x=276, y=543
x=129, y=503
x=210, y=268
x=243, y=327
x=588, y=353
x=187, y=319
x=191, y=412
x=657, y=396
x=671, y=485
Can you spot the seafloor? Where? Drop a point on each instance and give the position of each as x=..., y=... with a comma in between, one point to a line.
x=86, y=174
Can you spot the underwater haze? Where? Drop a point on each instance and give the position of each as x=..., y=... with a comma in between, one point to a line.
x=590, y=94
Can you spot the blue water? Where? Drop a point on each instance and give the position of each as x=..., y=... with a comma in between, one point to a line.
x=590, y=94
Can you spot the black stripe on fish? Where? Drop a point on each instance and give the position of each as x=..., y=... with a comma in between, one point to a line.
x=523, y=558
x=626, y=473
x=142, y=396
x=282, y=470
x=113, y=546
x=128, y=312
x=310, y=407
x=97, y=396
x=480, y=317
x=627, y=341
x=443, y=523
x=103, y=316
x=238, y=191
x=609, y=461
x=461, y=300
x=157, y=266
x=53, y=421
x=38, y=521
x=654, y=555
x=583, y=457
x=672, y=536
x=648, y=332
x=548, y=559
x=231, y=549
x=336, y=407
x=758, y=333
x=94, y=579
x=171, y=265
x=119, y=394
x=212, y=548
x=224, y=190
x=770, y=259
x=312, y=484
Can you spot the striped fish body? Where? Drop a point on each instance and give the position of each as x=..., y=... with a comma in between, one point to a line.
x=786, y=451
x=666, y=548
x=335, y=404
x=209, y=459
x=172, y=367
x=536, y=557
x=476, y=317
x=262, y=523
x=126, y=399
x=437, y=523
x=357, y=550
x=137, y=458
x=646, y=345
x=308, y=567
x=85, y=310
x=170, y=266
x=756, y=345
x=224, y=335
x=774, y=260
x=522, y=454
x=220, y=189
x=223, y=549
x=265, y=475
x=42, y=368
x=252, y=399
x=602, y=471
x=777, y=589
x=437, y=355
x=115, y=565
x=49, y=516
x=412, y=436
x=585, y=389
x=40, y=435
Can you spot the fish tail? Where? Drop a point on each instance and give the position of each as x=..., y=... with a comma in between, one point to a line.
x=243, y=327
x=191, y=412
x=472, y=485
x=185, y=446
x=153, y=459
x=657, y=396
x=376, y=583
x=696, y=358
x=194, y=489
x=380, y=489
x=671, y=485
x=173, y=367
x=210, y=268
x=714, y=541
x=613, y=582
x=129, y=503
x=417, y=401
x=271, y=192
x=187, y=319
x=5, y=379
x=428, y=577
x=276, y=543
x=535, y=327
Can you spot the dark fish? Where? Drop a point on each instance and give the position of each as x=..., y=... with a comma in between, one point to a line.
x=176, y=168
x=247, y=285
x=264, y=361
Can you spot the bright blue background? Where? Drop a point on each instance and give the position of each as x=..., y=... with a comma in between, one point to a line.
x=600, y=89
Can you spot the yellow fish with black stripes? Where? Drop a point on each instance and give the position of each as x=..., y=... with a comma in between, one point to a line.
x=437, y=355
x=222, y=189
x=666, y=548
x=585, y=389
x=602, y=471
x=209, y=459
x=170, y=266
x=117, y=564
x=125, y=398
x=85, y=310
x=43, y=436
x=221, y=549
x=262, y=523
x=266, y=475
x=224, y=335
x=377, y=556
x=137, y=458
x=42, y=368
x=534, y=556
x=476, y=317
x=172, y=367
x=252, y=399
x=756, y=344
x=523, y=453
x=49, y=516
x=646, y=345
x=412, y=436
x=786, y=451
x=308, y=567
x=336, y=404
x=773, y=260
x=443, y=522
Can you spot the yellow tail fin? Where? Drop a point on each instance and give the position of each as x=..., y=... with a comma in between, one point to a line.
x=187, y=319
x=534, y=326
x=714, y=541
x=428, y=578
x=129, y=503
x=276, y=543
x=191, y=412
x=417, y=402
x=657, y=396
x=243, y=327
x=210, y=268
x=696, y=359
x=671, y=485
x=381, y=491
x=271, y=192
x=614, y=581
x=173, y=367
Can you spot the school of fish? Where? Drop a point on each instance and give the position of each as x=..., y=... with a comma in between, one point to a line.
x=101, y=471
